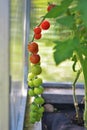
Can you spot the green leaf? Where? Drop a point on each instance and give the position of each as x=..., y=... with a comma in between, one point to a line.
x=66, y=3
x=55, y=12
x=83, y=49
x=66, y=21
x=82, y=7
x=58, y=10
x=64, y=50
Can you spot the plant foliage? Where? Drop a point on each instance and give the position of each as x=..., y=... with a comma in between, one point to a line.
x=64, y=50
x=72, y=15
x=59, y=9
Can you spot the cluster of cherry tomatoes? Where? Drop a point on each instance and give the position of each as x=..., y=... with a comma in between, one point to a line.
x=34, y=81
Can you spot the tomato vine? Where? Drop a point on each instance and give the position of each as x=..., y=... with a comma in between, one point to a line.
x=34, y=81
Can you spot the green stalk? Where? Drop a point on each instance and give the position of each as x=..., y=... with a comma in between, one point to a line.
x=74, y=94
x=84, y=66
x=83, y=62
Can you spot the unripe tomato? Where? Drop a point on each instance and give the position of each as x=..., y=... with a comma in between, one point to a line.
x=39, y=100
x=39, y=116
x=33, y=114
x=30, y=76
x=33, y=107
x=41, y=109
x=38, y=90
x=31, y=92
x=36, y=69
x=30, y=84
x=37, y=82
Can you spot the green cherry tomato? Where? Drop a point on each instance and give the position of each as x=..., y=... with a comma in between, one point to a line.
x=39, y=100
x=33, y=114
x=30, y=76
x=32, y=120
x=39, y=116
x=41, y=109
x=37, y=82
x=38, y=90
x=36, y=69
x=30, y=84
x=34, y=107
x=31, y=92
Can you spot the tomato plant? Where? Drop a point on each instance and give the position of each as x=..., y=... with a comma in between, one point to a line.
x=72, y=16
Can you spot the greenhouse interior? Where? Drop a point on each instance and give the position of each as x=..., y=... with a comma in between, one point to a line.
x=43, y=65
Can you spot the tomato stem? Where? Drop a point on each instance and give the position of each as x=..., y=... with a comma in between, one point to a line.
x=74, y=94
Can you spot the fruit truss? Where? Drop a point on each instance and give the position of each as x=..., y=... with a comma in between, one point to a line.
x=34, y=80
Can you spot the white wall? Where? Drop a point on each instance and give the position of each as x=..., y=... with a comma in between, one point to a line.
x=4, y=64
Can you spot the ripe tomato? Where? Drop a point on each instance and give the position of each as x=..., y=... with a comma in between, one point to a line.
x=37, y=30
x=45, y=25
x=33, y=47
x=50, y=6
x=37, y=36
x=35, y=58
